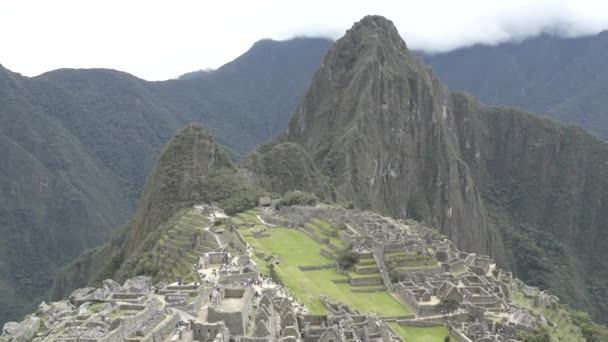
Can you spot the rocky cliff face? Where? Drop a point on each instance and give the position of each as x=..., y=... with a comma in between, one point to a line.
x=532, y=193
x=545, y=187
x=380, y=125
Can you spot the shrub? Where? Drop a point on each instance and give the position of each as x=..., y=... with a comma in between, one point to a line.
x=347, y=259
x=298, y=198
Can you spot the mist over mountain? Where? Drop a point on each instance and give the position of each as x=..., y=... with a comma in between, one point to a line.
x=563, y=78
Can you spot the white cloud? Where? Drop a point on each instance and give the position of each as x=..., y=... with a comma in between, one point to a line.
x=163, y=39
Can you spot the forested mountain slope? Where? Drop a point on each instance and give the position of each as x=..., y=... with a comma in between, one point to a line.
x=563, y=78
x=77, y=146
x=390, y=137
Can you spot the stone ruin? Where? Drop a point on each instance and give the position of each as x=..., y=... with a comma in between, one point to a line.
x=232, y=302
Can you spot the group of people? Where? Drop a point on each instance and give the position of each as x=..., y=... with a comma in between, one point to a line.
x=229, y=268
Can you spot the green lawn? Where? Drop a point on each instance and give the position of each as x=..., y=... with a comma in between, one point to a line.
x=237, y=221
x=294, y=248
x=416, y=334
x=248, y=217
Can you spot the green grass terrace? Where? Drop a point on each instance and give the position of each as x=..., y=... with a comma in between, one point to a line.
x=417, y=334
x=295, y=248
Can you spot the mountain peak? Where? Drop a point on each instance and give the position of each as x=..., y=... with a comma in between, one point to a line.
x=174, y=181
x=373, y=31
x=374, y=23
x=365, y=76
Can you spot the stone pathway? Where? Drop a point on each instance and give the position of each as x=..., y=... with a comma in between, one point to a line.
x=264, y=222
x=217, y=239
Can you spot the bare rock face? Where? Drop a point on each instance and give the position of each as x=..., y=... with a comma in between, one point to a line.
x=111, y=287
x=21, y=332
x=381, y=126
x=141, y=284
x=523, y=318
x=79, y=296
x=390, y=137
x=54, y=311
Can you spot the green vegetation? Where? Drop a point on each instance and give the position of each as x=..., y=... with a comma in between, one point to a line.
x=567, y=328
x=294, y=248
x=78, y=144
x=592, y=331
x=191, y=170
x=285, y=167
x=523, y=188
x=175, y=254
x=538, y=335
x=347, y=259
x=417, y=334
x=556, y=76
x=272, y=273
x=459, y=271
x=298, y=198
x=326, y=231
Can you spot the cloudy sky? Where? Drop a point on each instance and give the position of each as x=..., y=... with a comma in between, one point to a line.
x=158, y=40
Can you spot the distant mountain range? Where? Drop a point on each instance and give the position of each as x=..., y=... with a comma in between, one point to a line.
x=77, y=146
x=563, y=78
x=378, y=130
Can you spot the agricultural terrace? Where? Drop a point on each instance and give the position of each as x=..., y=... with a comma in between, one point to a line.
x=295, y=248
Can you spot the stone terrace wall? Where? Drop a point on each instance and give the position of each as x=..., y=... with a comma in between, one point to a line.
x=130, y=325
x=163, y=330
x=415, y=323
x=365, y=281
x=279, y=221
x=378, y=251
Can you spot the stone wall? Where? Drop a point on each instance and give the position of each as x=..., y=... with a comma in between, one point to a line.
x=163, y=330
x=365, y=281
x=315, y=267
x=394, y=247
x=449, y=267
x=410, y=299
x=460, y=337
x=277, y=221
x=415, y=323
x=216, y=258
x=327, y=254
x=366, y=269
x=230, y=278
x=209, y=331
x=356, y=290
x=131, y=325
x=378, y=251
x=202, y=295
x=311, y=319
x=235, y=321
